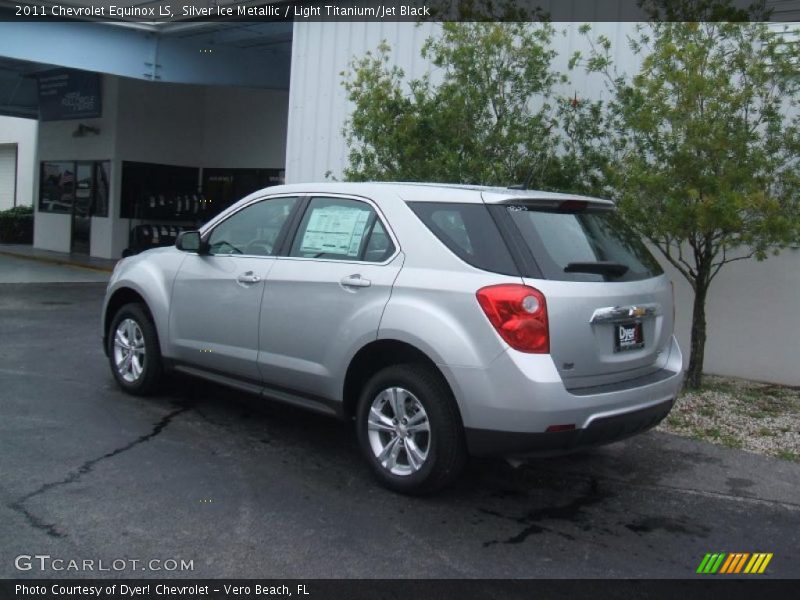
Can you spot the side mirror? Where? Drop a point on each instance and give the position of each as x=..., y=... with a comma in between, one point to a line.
x=189, y=241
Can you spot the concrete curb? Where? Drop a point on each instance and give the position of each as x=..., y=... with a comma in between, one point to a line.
x=57, y=261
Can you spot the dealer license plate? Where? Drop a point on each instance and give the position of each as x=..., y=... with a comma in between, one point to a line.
x=628, y=336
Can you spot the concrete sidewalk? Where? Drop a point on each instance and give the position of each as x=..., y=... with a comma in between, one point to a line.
x=23, y=264
x=58, y=258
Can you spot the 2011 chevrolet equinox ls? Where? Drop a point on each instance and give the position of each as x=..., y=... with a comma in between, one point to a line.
x=446, y=320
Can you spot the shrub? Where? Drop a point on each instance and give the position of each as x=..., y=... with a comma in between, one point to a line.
x=16, y=225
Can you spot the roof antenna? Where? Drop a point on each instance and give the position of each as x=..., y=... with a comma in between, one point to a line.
x=526, y=185
x=529, y=178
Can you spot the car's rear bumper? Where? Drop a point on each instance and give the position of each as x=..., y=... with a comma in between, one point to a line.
x=510, y=405
x=604, y=430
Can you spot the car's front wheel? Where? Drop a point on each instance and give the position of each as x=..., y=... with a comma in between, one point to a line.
x=409, y=429
x=133, y=350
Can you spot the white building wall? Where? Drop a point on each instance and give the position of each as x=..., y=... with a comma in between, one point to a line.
x=318, y=105
x=160, y=123
x=52, y=231
x=245, y=128
x=752, y=312
x=752, y=319
x=211, y=126
x=8, y=175
x=21, y=132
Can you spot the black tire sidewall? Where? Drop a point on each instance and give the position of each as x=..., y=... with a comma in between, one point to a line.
x=434, y=396
x=146, y=384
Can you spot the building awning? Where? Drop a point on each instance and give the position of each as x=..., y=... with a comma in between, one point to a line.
x=181, y=50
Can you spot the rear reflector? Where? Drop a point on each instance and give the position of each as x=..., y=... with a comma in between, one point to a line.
x=554, y=428
x=519, y=314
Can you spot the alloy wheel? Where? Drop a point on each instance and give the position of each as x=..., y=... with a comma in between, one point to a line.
x=129, y=350
x=399, y=431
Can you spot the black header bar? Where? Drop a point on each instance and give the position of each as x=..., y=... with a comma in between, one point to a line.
x=164, y=13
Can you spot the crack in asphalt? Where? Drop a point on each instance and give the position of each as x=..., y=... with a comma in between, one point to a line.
x=85, y=468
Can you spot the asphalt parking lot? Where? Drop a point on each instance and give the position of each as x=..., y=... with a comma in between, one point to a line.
x=245, y=488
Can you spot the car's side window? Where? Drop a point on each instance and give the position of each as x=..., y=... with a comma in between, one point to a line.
x=451, y=223
x=252, y=231
x=341, y=229
x=470, y=233
x=379, y=246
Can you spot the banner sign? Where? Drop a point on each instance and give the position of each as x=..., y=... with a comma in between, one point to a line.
x=68, y=94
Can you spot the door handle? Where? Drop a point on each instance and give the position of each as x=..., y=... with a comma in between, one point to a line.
x=248, y=277
x=355, y=281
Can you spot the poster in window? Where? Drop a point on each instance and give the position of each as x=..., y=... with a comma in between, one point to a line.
x=335, y=230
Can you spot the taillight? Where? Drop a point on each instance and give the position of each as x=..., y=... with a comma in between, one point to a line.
x=519, y=314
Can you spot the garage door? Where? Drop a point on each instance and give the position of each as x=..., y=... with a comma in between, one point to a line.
x=8, y=174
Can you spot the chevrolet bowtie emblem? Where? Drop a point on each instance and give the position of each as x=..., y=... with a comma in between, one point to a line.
x=637, y=311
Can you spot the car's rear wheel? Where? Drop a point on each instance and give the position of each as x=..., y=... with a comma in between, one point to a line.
x=409, y=429
x=133, y=350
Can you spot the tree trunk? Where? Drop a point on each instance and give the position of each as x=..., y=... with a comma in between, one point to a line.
x=694, y=374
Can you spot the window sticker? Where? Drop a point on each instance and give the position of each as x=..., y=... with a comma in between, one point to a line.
x=335, y=230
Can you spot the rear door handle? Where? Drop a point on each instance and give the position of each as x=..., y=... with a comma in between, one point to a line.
x=355, y=281
x=248, y=277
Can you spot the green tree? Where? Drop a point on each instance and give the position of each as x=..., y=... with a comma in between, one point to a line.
x=706, y=140
x=491, y=117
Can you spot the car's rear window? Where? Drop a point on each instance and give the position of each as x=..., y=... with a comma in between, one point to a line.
x=470, y=232
x=579, y=240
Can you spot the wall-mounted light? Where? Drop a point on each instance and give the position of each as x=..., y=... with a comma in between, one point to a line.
x=84, y=130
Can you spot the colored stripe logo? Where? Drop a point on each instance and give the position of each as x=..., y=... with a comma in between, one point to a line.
x=734, y=563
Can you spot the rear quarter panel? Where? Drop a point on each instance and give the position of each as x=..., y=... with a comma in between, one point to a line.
x=433, y=305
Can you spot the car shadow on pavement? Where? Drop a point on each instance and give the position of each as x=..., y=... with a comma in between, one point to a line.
x=595, y=493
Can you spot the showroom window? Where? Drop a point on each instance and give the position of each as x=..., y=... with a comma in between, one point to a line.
x=65, y=184
x=341, y=229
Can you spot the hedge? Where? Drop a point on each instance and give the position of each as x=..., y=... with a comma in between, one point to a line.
x=16, y=225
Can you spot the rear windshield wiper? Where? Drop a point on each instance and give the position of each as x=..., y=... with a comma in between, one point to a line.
x=598, y=268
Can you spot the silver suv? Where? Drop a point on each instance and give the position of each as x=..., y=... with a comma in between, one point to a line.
x=445, y=320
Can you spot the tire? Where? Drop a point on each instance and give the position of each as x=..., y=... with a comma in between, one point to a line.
x=442, y=449
x=144, y=370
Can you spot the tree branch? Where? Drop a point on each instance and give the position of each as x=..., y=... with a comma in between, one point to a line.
x=718, y=265
x=686, y=270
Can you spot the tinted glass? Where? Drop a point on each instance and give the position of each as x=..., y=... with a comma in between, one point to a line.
x=558, y=239
x=379, y=246
x=253, y=230
x=341, y=229
x=101, y=179
x=84, y=188
x=57, y=187
x=469, y=231
x=78, y=185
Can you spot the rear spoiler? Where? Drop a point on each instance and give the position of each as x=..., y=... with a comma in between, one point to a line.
x=549, y=201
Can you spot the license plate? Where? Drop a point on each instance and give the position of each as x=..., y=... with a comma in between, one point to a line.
x=628, y=336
